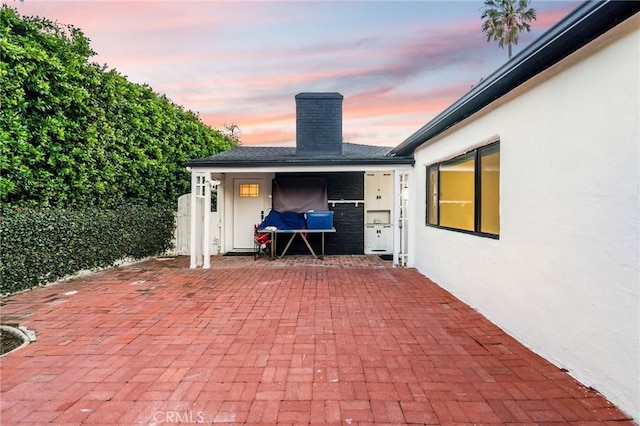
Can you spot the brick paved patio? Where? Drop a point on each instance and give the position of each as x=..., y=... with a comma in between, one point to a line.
x=349, y=340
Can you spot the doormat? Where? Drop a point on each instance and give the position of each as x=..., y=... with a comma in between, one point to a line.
x=239, y=253
x=386, y=256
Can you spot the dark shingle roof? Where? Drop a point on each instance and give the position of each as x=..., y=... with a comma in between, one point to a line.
x=255, y=156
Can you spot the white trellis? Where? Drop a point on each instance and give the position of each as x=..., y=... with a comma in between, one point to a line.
x=202, y=185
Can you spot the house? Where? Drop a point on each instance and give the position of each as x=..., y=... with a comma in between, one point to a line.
x=357, y=182
x=524, y=196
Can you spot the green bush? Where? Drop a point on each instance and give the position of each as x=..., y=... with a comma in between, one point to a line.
x=74, y=133
x=42, y=245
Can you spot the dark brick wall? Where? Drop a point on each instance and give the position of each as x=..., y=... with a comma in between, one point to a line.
x=318, y=124
x=345, y=186
x=349, y=223
x=347, y=218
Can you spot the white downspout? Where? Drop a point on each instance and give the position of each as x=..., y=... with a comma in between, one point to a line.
x=193, y=260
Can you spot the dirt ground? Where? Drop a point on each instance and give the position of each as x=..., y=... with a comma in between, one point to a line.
x=8, y=342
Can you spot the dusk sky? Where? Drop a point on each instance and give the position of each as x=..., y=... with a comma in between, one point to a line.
x=397, y=63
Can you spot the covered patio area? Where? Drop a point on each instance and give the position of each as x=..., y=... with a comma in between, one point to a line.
x=347, y=340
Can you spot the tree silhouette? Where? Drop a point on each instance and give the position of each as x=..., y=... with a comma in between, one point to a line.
x=504, y=20
x=233, y=131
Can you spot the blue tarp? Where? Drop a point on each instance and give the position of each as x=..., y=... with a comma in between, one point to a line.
x=284, y=220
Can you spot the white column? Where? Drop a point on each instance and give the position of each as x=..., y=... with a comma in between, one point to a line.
x=404, y=209
x=193, y=260
x=206, y=243
x=397, y=193
x=221, y=212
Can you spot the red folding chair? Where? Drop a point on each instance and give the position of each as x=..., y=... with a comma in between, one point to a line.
x=262, y=243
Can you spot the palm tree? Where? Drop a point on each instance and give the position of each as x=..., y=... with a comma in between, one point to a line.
x=505, y=19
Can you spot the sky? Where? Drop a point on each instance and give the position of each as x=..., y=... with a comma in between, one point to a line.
x=397, y=63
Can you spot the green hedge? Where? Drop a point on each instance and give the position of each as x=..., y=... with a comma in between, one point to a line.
x=42, y=245
x=75, y=133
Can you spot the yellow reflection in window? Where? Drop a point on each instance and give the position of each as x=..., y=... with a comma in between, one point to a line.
x=249, y=190
x=432, y=200
x=457, y=193
x=490, y=191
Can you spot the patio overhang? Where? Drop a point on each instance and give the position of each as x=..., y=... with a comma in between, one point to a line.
x=289, y=168
x=304, y=163
x=219, y=178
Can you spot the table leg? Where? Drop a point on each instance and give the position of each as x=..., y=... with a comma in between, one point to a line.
x=287, y=246
x=274, y=245
x=313, y=253
x=322, y=257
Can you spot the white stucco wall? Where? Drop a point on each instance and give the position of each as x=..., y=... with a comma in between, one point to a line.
x=564, y=276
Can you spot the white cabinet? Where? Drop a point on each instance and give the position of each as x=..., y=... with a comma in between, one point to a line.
x=378, y=239
x=378, y=205
x=378, y=190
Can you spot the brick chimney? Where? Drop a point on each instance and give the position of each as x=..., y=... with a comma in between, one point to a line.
x=319, y=124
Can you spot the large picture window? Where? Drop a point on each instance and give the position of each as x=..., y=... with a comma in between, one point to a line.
x=464, y=193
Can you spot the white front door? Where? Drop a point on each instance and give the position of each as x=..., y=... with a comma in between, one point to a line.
x=248, y=209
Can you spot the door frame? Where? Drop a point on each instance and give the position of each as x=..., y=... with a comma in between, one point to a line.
x=231, y=196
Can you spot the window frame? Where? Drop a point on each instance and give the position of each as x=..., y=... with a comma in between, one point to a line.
x=477, y=219
x=249, y=190
x=201, y=181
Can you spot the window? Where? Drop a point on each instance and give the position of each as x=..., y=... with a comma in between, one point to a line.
x=456, y=194
x=464, y=193
x=249, y=190
x=489, y=160
x=200, y=183
x=432, y=196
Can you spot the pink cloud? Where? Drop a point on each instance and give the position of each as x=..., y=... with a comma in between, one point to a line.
x=398, y=104
x=141, y=16
x=367, y=118
x=547, y=19
x=268, y=137
x=203, y=56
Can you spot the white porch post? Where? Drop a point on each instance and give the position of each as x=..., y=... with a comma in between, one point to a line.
x=206, y=243
x=401, y=219
x=193, y=260
x=221, y=212
x=404, y=218
x=397, y=193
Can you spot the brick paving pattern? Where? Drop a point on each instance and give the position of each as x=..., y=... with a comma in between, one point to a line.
x=347, y=340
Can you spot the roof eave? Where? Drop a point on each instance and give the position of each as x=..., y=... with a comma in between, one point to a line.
x=335, y=162
x=587, y=22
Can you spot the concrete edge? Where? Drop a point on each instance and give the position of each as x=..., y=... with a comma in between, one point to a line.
x=23, y=333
